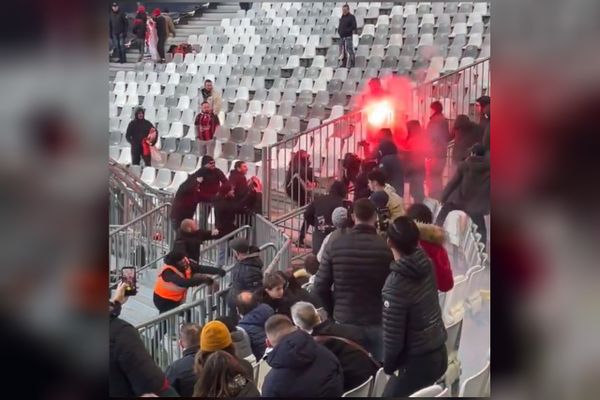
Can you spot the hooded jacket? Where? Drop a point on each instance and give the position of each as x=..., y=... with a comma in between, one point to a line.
x=211, y=182
x=466, y=134
x=357, y=264
x=432, y=239
x=137, y=130
x=412, y=319
x=181, y=373
x=318, y=214
x=438, y=133
x=185, y=200
x=254, y=325
x=246, y=275
x=302, y=368
x=469, y=188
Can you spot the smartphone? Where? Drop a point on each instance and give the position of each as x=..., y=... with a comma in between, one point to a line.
x=129, y=276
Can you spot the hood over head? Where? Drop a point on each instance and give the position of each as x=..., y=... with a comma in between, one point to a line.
x=295, y=351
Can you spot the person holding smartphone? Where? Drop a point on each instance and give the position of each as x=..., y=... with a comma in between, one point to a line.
x=175, y=277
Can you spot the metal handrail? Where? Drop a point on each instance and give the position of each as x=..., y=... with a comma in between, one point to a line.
x=278, y=256
x=145, y=188
x=291, y=214
x=133, y=221
x=456, y=71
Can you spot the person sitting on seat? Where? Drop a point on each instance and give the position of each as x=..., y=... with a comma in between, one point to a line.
x=181, y=372
x=254, y=315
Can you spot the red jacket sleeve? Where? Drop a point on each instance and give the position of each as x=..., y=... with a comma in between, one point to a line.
x=445, y=280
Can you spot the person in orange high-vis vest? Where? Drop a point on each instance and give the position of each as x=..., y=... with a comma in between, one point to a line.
x=174, y=278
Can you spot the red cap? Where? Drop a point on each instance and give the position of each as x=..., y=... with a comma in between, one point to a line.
x=156, y=12
x=141, y=9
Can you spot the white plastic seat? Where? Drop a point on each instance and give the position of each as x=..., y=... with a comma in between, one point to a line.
x=242, y=93
x=120, y=88
x=184, y=103
x=176, y=130
x=269, y=137
x=170, y=68
x=270, y=108
x=430, y=391
x=381, y=379
x=368, y=29
x=427, y=19
x=120, y=76
x=178, y=179
x=148, y=175
x=453, y=309
x=474, y=18
x=293, y=62
x=254, y=107
x=174, y=79
x=306, y=84
x=460, y=28
x=130, y=76
x=163, y=179
x=477, y=385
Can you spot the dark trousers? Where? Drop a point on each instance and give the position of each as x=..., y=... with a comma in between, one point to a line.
x=119, y=43
x=416, y=181
x=136, y=155
x=161, y=47
x=372, y=339
x=434, y=177
x=140, y=44
x=478, y=219
x=417, y=373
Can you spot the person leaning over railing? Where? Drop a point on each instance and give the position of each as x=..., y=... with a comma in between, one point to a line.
x=132, y=371
x=175, y=277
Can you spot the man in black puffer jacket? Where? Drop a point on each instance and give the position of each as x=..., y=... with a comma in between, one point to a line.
x=318, y=213
x=357, y=264
x=413, y=330
x=137, y=130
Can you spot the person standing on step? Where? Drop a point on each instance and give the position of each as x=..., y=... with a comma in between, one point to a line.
x=206, y=122
x=169, y=23
x=137, y=131
x=118, y=30
x=212, y=96
x=161, y=33
x=346, y=28
x=139, y=30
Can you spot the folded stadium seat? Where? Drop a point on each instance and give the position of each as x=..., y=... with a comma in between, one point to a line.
x=262, y=70
x=477, y=27
x=383, y=72
x=173, y=161
x=362, y=50
x=130, y=76
x=123, y=123
x=485, y=52
x=240, y=106
x=459, y=28
x=465, y=61
x=318, y=61
x=397, y=21
x=254, y=107
x=312, y=73
x=275, y=124
x=305, y=84
x=300, y=111
x=450, y=65
x=268, y=61
x=426, y=40
x=475, y=40
x=163, y=127
x=174, y=114
x=305, y=96
x=260, y=50
x=378, y=51
x=170, y=68
x=289, y=41
x=334, y=85
x=150, y=114
x=316, y=112
x=198, y=148
x=299, y=72
x=390, y=62
x=176, y=130
x=381, y=39
x=135, y=170
x=435, y=67
x=471, y=51
x=254, y=136
x=184, y=103
x=132, y=100
x=369, y=73
x=169, y=145
x=148, y=175
x=232, y=119
x=120, y=88
x=238, y=135
x=246, y=121
x=285, y=109
x=185, y=146
x=120, y=100
x=481, y=8
x=229, y=151
x=280, y=61
x=309, y=52
x=114, y=140
x=396, y=30
x=382, y=19
x=325, y=42
x=247, y=153
x=366, y=40
x=120, y=76
x=289, y=95
x=464, y=7
x=292, y=126
x=374, y=62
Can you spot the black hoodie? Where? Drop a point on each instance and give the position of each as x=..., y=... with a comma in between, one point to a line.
x=137, y=130
x=302, y=368
x=412, y=319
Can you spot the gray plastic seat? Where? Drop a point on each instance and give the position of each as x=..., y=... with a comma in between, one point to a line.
x=300, y=111
x=317, y=111
x=305, y=96
x=229, y=151
x=260, y=95
x=313, y=73
x=260, y=122
x=471, y=51
x=274, y=95
x=334, y=85
x=232, y=119
x=349, y=87
x=375, y=62
x=114, y=139
x=229, y=94
x=292, y=126
x=174, y=161
x=339, y=99
x=189, y=163
x=238, y=135
x=299, y=72
x=408, y=51
x=262, y=70
x=169, y=145
x=289, y=94
x=185, y=146
x=390, y=62
x=253, y=137
x=361, y=62
x=222, y=133
x=240, y=106
x=322, y=98
x=286, y=109
x=247, y=153
x=366, y=40
x=198, y=148
x=369, y=73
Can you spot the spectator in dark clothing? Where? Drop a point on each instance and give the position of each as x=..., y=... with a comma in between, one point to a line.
x=415, y=151
x=170, y=26
x=357, y=264
x=389, y=163
x=245, y=6
x=206, y=123
x=299, y=366
x=118, y=25
x=299, y=183
x=185, y=201
x=161, y=32
x=431, y=240
x=211, y=179
x=254, y=316
x=237, y=178
x=295, y=293
x=469, y=190
x=318, y=213
x=482, y=109
x=132, y=371
x=362, y=190
x=175, y=277
x=240, y=339
x=137, y=130
x=342, y=223
x=465, y=134
x=347, y=27
x=224, y=377
x=246, y=274
x=214, y=337
x=351, y=169
x=189, y=238
x=181, y=373
x=273, y=293
x=226, y=207
x=356, y=362
x=413, y=330
x=139, y=30
x=438, y=134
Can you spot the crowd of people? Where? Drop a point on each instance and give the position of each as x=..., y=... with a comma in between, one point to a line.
x=150, y=32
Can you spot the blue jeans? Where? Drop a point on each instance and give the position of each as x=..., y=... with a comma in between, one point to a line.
x=372, y=339
x=119, y=44
x=347, y=48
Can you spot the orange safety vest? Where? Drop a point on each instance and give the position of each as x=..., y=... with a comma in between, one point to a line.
x=169, y=290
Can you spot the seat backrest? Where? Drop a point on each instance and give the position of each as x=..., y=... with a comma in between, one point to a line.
x=455, y=299
x=263, y=370
x=360, y=391
x=381, y=379
x=430, y=391
x=477, y=385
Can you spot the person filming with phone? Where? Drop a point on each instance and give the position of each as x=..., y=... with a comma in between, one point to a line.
x=175, y=277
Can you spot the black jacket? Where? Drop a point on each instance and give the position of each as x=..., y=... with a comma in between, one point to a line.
x=197, y=278
x=330, y=328
x=186, y=200
x=139, y=30
x=469, y=188
x=225, y=211
x=391, y=165
x=211, y=182
x=438, y=132
x=254, y=325
x=318, y=214
x=302, y=368
x=246, y=275
x=412, y=319
x=137, y=130
x=357, y=264
x=361, y=188
x=347, y=25
x=357, y=365
x=190, y=242
x=464, y=138
x=239, y=183
x=118, y=23
x=295, y=177
x=181, y=373
x=132, y=371
x=161, y=27
x=485, y=128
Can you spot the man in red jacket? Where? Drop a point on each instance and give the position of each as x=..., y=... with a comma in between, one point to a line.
x=206, y=123
x=431, y=240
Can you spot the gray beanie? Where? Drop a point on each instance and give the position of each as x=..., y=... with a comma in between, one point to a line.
x=339, y=216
